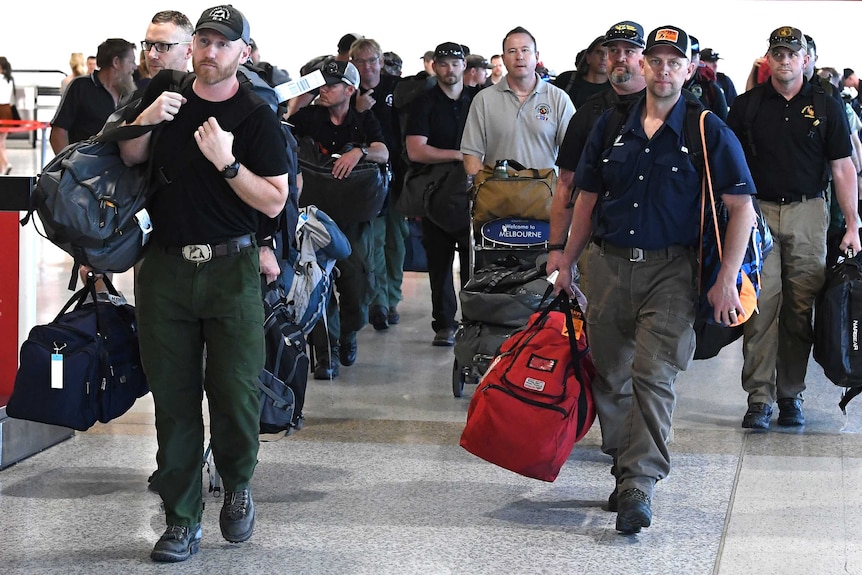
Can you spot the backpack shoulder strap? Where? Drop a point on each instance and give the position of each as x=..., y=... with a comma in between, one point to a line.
x=615, y=123
x=691, y=133
x=750, y=112
x=820, y=108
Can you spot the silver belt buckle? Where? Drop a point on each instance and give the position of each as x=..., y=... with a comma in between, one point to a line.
x=637, y=255
x=197, y=253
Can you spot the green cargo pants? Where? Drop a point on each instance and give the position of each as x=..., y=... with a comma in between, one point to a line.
x=183, y=309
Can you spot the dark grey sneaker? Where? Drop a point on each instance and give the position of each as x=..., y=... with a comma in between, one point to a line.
x=790, y=412
x=178, y=543
x=237, y=516
x=757, y=416
x=633, y=511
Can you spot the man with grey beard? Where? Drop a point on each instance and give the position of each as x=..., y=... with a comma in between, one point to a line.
x=625, y=44
x=89, y=100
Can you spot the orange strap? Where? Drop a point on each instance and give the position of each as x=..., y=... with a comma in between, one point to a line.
x=706, y=184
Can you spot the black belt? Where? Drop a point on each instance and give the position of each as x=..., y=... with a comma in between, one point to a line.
x=199, y=253
x=639, y=254
x=783, y=201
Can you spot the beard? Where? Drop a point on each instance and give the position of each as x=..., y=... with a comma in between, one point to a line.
x=620, y=77
x=126, y=85
x=212, y=74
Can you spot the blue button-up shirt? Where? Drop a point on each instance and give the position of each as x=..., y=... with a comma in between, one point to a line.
x=649, y=189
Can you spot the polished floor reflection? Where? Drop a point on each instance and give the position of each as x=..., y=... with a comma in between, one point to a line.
x=376, y=482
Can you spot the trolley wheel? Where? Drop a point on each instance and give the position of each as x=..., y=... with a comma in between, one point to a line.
x=459, y=378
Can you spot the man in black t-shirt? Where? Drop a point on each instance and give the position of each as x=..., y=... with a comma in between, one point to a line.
x=376, y=93
x=336, y=127
x=624, y=43
x=221, y=163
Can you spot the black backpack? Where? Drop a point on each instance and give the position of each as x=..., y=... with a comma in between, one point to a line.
x=284, y=378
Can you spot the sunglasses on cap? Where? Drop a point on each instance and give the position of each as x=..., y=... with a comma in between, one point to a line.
x=791, y=40
x=623, y=33
x=449, y=54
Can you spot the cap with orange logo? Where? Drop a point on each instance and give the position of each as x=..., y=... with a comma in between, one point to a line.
x=669, y=36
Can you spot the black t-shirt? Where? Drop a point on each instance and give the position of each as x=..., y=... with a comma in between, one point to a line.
x=199, y=206
x=85, y=106
x=357, y=128
x=582, y=123
x=384, y=111
x=439, y=118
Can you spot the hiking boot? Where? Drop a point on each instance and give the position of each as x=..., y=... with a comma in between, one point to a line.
x=178, y=543
x=613, y=501
x=326, y=368
x=757, y=416
x=444, y=337
x=237, y=516
x=347, y=350
x=393, y=316
x=634, y=511
x=378, y=317
x=790, y=413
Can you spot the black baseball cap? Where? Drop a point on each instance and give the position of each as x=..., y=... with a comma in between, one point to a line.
x=449, y=50
x=346, y=41
x=625, y=31
x=669, y=36
x=709, y=55
x=695, y=45
x=227, y=21
x=477, y=61
x=789, y=37
x=337, y=71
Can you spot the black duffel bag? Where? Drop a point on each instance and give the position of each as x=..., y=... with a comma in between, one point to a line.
x=837, y=321
x=356, y=198
x=82, y=367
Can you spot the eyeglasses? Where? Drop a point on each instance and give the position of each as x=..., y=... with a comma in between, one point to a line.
x=161, y=47
x=366, y=61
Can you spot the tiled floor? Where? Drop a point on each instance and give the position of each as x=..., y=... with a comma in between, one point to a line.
x=376, y=482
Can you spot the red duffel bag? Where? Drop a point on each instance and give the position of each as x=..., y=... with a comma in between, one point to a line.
x=535, y=401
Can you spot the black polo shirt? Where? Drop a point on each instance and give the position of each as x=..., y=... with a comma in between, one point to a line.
x=357, y=128
x=85, y=106
x=440, y=118
x=791, y=152
x=582, y=122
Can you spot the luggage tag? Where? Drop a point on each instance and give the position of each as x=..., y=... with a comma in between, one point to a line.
x=145, y=223
x=57, y=367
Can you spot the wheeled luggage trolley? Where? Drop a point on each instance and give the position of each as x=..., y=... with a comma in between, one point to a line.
x=514, y=252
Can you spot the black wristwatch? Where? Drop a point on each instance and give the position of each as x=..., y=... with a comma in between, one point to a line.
x=231, y=170
x=364, y=151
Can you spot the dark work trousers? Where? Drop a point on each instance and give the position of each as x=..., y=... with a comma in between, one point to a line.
x=183, y=309
x=639, y=324
x=347, y=310
x=440, y=248
x=387, y=258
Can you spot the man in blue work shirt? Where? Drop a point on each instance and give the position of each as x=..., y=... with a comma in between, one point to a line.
x=639, y=202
